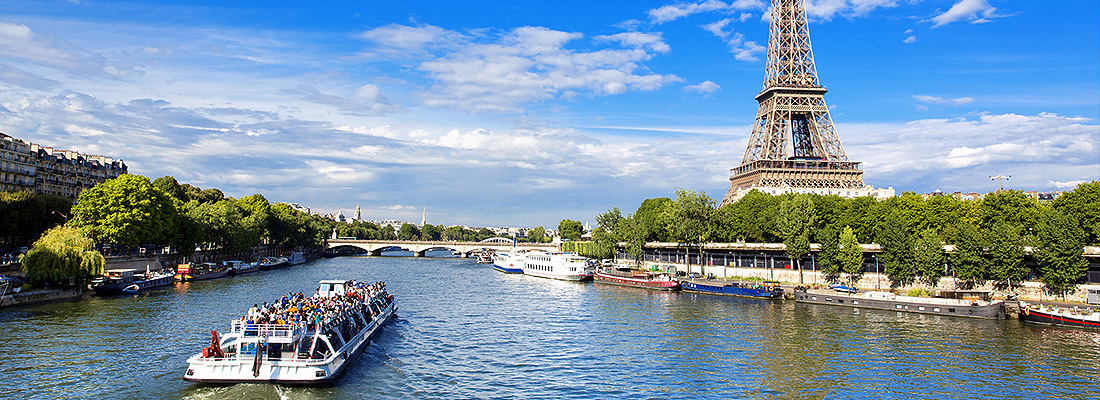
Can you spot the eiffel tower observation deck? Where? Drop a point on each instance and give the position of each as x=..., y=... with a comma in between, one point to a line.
x=794, y=146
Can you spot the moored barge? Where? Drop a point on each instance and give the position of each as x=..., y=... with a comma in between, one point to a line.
x=204, y=271
x=298, y=340
x=763, y=290
x=979, y=306
x=1083, y=317
x=625, y=276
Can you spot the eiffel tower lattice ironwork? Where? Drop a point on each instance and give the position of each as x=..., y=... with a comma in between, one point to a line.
x=792, y=110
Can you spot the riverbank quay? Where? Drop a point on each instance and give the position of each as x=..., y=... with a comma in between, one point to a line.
x=788, y=277
x=40, y=296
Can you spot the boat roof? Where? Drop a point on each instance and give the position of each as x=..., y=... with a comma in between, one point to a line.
x=122, y=270
x=335, y=281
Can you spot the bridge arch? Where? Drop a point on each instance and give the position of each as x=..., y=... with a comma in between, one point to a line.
x=498, y=239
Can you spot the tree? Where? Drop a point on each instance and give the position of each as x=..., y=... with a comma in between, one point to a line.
x=897, y=252
x=690, y=219
x=62, y=253
x=1011, y=206
x=1059, y=252
x=608, y=219
x=569, y=229
x=796, y=217
x=829, y=255
x=537, y=234
x=968, y=260
x=211, y=195
x=602, y=245
x=851, y=255
x=1006, y=253
x=651, y=216
x=632, y=232
x=171, y=187
x=750, y=219
x=431, y=232
x=126, y=211
x=1083, y=204
x=25, y=216
x=928, y=256
x=408, y=232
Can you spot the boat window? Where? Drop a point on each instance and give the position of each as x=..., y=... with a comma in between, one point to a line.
x=337, y=342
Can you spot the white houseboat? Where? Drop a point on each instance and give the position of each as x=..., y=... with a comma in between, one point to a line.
x=297, y=353
x=564, y=266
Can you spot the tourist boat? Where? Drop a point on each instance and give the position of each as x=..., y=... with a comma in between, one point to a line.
x=270, y=263
x=625, y=276
x=294, y=258
x=113, y=282
x=191, y=272
x=509, y=263
x=563, y=266
x=761, y=290
x=241, y=267
x=149, y=280
x=298, y=353
x=1079, y=317
x=973, y=304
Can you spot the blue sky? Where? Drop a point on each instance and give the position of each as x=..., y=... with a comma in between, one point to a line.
x=525, y=113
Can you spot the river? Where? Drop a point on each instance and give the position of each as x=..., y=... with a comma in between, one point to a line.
x=466, y=331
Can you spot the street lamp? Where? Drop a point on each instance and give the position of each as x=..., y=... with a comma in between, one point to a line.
x=878, y=275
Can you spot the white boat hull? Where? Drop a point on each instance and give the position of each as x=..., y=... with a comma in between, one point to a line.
x=303, y=371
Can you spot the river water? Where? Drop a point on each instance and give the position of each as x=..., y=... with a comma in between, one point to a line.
x=466, y=331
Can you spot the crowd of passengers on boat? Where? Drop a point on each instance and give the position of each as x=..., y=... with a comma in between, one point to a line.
x=299, y=310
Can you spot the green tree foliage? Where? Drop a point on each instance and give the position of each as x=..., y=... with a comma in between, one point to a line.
x=24, y=216
x=651, y=217
x=408, y=232
x=537, y=234
x=602, y=245
x=484, y=233
x=609, y=219
x=1060, y=242
x=633, y=234
x=851, y=255
x=62, y=253
x=1011, y=206
x=690, y=218
x=127, y=211
x=171, y=187
x=829, y=255
x=211, y=195
x=1083, y=204
x=224, y=223
x=928, y=256
x=897, y=248
x=1006, y=253
x=751, y=219
x=796, y=218
x=968, y=261
x=569, y=229
x=431, y=233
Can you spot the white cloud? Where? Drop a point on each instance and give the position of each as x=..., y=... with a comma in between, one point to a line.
x=651, y=41
x=1068, y=185
x=743, y=50
x=676, y=11
x=532, y=64
x=705, y=87
x=976, y=11
x=911, y=39
x=940, y=100
x=411, y=38
x=827, y=9
x=959, y=153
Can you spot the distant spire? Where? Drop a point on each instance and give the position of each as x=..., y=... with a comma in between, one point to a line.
x=424, y=218
x=358, y=215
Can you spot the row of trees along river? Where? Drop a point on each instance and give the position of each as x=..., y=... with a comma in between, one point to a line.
x=132, y=212
x=988, y=235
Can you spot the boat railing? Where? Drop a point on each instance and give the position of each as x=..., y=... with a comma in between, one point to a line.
x=268, y=330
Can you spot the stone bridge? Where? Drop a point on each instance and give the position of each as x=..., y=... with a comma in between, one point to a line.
x=418, y=248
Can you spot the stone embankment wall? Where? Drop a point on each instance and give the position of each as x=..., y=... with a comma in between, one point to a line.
x=1031, y=291
x=156, y=262
x=39, y=297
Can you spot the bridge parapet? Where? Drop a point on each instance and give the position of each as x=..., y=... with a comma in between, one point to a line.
x=375, y=247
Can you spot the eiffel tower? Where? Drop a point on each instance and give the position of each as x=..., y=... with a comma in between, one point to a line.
x=792, y=108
